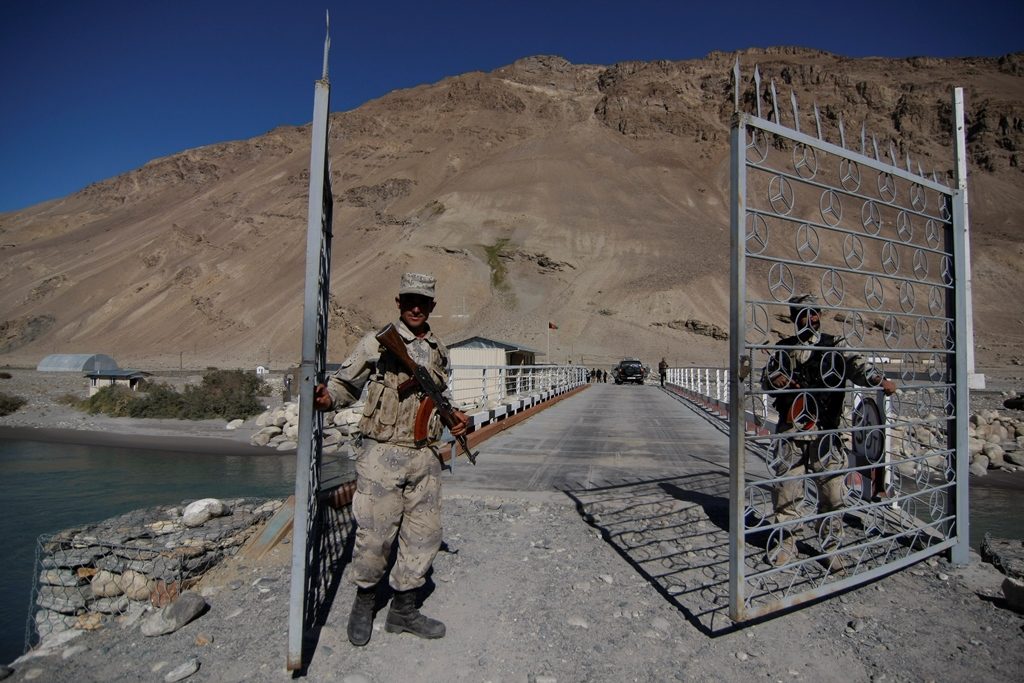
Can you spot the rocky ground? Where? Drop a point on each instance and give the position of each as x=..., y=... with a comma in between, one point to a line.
x=530, y=592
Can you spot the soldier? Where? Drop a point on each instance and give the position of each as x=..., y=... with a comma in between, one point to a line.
x=398, y=482
x=812, y=364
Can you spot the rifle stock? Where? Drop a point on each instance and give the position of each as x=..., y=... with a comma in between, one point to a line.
x=434, y=398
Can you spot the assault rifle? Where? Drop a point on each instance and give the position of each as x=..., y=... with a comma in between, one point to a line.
x=433, y=395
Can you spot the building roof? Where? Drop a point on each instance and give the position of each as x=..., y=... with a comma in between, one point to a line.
x=76, y=362
x=477, y=342
x=118, y=374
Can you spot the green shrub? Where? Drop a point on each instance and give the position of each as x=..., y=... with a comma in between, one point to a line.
x=8, y=403
x=225, y=394
x=70, y=400
x=115, y=401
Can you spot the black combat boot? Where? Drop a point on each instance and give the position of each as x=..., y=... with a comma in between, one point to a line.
x=403, y=617
x=360, y=620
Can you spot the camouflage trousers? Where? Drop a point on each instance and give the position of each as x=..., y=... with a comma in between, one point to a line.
x=796, y=457
x=398, y=493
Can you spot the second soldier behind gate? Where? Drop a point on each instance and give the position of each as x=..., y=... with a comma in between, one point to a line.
x=398, y=481
x=811, y=361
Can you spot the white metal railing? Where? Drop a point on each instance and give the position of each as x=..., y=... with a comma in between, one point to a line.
x=485, y=386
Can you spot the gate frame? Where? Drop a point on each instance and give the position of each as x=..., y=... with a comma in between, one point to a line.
x=958, y=544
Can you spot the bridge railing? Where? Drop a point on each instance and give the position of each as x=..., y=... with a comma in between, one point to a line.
x=482, y=388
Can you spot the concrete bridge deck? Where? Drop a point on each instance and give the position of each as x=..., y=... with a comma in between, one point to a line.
x=582, y=443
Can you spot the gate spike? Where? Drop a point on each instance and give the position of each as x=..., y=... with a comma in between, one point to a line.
x=864, y=138
x=775, y=104
x=817, y=120
x=874, y=142
x=736, y=84
x=842, y=133
x=796, y=112
x=910, y=167
x=920, y=170
x=757, y=88
x=892, y=155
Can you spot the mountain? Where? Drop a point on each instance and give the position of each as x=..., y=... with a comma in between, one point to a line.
x=592, y=197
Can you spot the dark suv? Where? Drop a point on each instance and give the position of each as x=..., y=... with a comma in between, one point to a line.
x=629, y=370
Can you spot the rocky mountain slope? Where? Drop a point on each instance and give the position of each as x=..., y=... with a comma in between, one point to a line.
x=593, y=197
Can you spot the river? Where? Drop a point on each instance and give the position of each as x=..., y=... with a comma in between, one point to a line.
x=52, y=486
x=49, y=486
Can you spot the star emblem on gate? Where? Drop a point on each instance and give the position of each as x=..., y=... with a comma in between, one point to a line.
x=757, y=233
x=849, y=175
x=920, y=264
x=757, y=146
x=805, y=161
x=832, y=287
x=833, y=369
x=904, y=226
x=886, y=187
x=807, y=243
x=874, y=295
x=918, y=197
x=781, y=282
x=781, y=195
x=853, y=251
x=891, y=331
x=853, y=328
x=935, y=300
x=907, y=296
x=871, y=218
x=931, y=233
x=890, y=258
x=830, y=207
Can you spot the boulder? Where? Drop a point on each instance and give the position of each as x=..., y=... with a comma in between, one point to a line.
x=136, y=585
x=994, y=453
x=199, y=512
x=979, y=465
x=169, y=619
x=1013, y=591
x=1014, y=458
x=234, y=424
x=106, y=584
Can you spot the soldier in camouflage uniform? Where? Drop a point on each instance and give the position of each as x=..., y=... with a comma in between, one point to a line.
x=812, y=364
x=398, y=481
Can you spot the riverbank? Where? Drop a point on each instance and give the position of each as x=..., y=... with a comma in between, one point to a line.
x=530, y=592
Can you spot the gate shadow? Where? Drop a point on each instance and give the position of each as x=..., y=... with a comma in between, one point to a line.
x=675, y=532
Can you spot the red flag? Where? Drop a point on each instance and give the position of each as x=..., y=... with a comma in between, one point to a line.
x=552, y=326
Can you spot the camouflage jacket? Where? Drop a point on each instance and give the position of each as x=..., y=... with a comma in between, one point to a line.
x=388, y=416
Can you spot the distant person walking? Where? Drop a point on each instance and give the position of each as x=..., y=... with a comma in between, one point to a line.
x=663, y=370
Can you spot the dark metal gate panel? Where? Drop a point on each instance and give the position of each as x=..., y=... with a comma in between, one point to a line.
x=881, y=246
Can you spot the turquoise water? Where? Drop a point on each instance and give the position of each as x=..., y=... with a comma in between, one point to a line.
x=51, y=486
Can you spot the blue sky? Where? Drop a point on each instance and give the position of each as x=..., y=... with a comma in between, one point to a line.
x=89, y=90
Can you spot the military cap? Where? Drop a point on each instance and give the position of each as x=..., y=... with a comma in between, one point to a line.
x=417, y=283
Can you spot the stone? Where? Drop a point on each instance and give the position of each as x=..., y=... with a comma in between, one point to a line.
x=1014, y=458
x=182, y=671
x=63, y=599
x=287, y=446
x=89, y=621
x=169, y=619
x=115, y=605
x=136, y=585
x=33, y=674
x=1013, y=591
x=975, y=446
x=994, y=453
x=201, y=511
x=106, y=584
x=70, y=652
x=234, y=424
x=60, y=577
x=979, y=465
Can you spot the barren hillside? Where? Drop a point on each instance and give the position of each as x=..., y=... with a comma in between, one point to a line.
x=594, y=197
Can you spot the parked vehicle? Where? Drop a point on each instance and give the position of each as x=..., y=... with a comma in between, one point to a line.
x=629, y=370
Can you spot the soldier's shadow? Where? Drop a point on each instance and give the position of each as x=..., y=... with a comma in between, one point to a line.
x=675, y=532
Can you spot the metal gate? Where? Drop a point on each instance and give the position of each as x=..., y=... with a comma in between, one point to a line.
x=878, y=247
x=313, y=537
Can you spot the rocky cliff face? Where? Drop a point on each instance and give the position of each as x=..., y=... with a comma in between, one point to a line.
x=595, y=197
